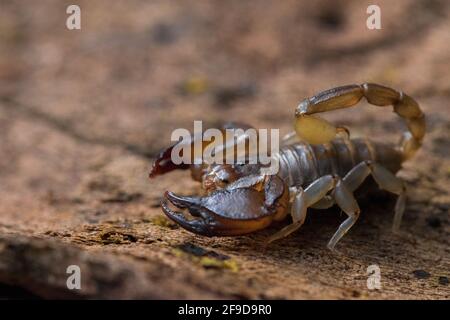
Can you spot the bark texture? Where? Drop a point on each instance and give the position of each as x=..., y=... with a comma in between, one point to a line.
x=83, y=113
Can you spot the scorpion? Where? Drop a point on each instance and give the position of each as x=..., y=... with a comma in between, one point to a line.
x=319, y=166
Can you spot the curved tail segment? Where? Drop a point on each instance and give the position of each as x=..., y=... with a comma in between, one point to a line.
x=316, y=130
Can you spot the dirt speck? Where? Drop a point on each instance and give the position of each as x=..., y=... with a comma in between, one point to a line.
x=116, y=236
x=421, y=274
x=443, y=280
x=206, y=258
x=162, y=221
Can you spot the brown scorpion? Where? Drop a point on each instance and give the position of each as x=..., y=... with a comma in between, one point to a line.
x=318, y=168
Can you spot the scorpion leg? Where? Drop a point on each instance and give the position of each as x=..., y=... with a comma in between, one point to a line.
x=298, y=213
x=316, y=191
x=324, y=203
x=385, y=179
x=346, y=201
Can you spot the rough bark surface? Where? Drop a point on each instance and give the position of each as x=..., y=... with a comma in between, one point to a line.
x=83, y=113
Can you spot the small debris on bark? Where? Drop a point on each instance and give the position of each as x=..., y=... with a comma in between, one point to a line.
x=421, y=274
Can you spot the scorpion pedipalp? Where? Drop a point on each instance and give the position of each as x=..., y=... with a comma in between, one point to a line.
x=235, y=210
x=164, y=163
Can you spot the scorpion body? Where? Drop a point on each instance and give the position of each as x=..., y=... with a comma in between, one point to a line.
x=317, y=169
x=302, y=163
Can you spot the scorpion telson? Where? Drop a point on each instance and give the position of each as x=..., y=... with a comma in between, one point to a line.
x=319, y=168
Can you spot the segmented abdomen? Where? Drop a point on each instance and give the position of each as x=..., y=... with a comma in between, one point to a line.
x=302, y=163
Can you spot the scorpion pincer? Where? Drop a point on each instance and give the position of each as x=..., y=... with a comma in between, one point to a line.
x=318, y=168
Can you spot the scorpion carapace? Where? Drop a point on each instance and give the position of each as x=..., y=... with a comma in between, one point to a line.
x=318, y=168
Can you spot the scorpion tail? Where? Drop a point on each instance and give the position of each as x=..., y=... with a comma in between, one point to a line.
x=406, y=107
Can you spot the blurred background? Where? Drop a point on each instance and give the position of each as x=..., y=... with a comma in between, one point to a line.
x=83, y=112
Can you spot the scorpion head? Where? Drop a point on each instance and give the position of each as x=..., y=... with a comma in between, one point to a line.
x=238, y=200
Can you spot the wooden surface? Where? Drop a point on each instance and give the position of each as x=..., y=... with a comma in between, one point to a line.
x=83, y=113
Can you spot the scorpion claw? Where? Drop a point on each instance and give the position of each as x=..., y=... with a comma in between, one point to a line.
x=164, y=164
x=191, y=203
x=195, y=226
x=228, y=212
x=202, y=224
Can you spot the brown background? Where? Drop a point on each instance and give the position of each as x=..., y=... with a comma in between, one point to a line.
x=82, y=114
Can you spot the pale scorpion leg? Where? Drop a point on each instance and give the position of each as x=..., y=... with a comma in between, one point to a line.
x=316, y=192
x=316, y=130
x=385, y=179
x=324, y=203
x=304, y=199
x=343, y=195
x=347, y=202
